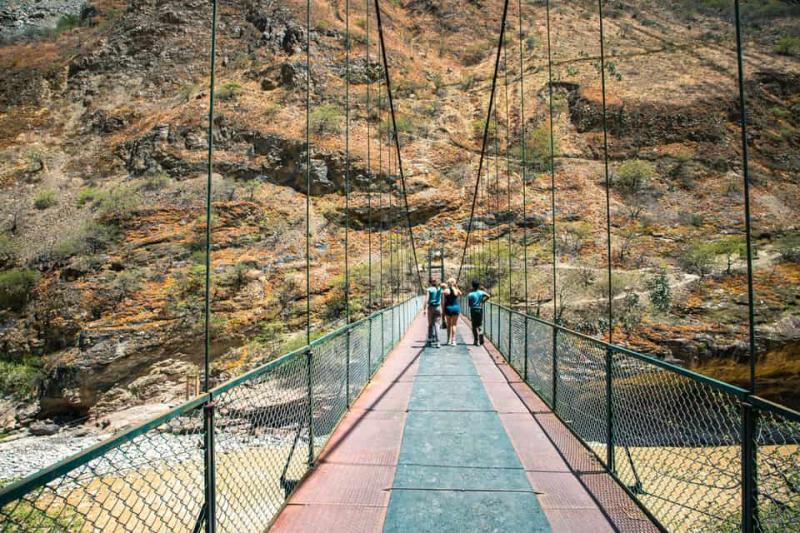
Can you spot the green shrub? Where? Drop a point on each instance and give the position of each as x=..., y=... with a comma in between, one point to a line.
x=88, y=195
x=537, y=148
x=188, y=91
x=44, y=199
x=698, y=258
x=634, y=175
x=788, y=46
x=118, y=203
x=156, y=182
x=659, y=291
x=788, y=246
x=403, y=123
x=691, y=219
x=467, y=82
x=326, y=119
x=16, y=286
x=19, y=380
x=228, y=91
x=67, y=22
x=8, y=250
x=91, y=238
x=478, y=127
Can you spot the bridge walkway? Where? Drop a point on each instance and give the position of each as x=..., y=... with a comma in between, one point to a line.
x=450, y=439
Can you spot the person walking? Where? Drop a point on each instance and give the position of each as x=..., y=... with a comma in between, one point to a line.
x=475, y=300
x=451, y=310
x=434, y=312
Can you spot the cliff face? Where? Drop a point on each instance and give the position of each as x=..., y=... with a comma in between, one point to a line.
x=103, y=151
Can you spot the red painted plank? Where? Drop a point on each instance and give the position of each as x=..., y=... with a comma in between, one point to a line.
x=345, y=484
x=330, y=519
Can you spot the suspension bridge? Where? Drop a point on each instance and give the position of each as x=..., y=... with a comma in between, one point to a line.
x=366, y=428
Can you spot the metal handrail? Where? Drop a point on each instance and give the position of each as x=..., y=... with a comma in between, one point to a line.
x=20, y=488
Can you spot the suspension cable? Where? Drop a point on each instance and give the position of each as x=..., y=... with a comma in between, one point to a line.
x=347, y=163
x=397, y=142
x=308, y=171
x=508, y=171
x=381, y=180
x=369, y=173
x=746, y=176
x=207, y=302
x=390, y=170
x=524, y=163
x=496, y=196
x=605, y=166
x=485, y=137
x=552, y=160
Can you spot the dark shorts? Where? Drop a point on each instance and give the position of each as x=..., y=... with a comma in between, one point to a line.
x=452, y=310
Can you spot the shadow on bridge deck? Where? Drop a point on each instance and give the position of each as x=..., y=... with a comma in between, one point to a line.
x=453, y=440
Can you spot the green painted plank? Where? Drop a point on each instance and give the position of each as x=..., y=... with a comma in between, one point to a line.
x=456, y=439
x=464, y=394
x=445, y=364
x=461, y=478
x=458, y=470
x=424, y=511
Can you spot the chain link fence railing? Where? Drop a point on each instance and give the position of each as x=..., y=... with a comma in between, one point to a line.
x=697, y=454
x=224, y=461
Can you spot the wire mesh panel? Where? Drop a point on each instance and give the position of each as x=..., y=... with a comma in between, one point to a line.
x=581, y=396
x=677, y=445
x=540, y=359
x=517, y=348
x=376, y=346
x=387, y=332
x=261, y=430
x=150, y=479
x=328, y=387
x=502, y=331
x=778, y=471
x=359, y=355
x=488, y=322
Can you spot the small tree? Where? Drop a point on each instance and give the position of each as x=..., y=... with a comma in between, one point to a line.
x=537, y=148
x=634, y=175
x=698, y=258
x=730, y=247
x=16, y=286
x=574, y=236
x=659, y=291
x=326, y=119
x=631, y=313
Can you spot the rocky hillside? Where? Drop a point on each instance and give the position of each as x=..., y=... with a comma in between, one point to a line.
x=103, y=112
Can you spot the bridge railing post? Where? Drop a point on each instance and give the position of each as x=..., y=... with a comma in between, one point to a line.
x=510, y=335
x=555, y=368
x=347, y=368
x=209, y=467
x=609, y=409
x=496, y=336
x=310, y=414
x=525, y=352
x=369, y=349
x=749, y=487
